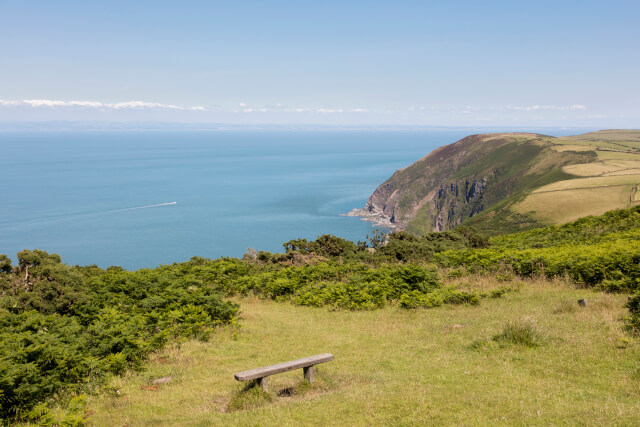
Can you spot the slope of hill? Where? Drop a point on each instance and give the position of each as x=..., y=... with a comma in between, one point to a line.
x=511, y=181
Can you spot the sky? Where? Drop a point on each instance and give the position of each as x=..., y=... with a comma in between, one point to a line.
x=428, y=63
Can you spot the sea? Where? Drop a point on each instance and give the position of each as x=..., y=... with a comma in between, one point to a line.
x=142, y=198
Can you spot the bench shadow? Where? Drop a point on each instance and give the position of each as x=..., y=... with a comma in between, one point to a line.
x=286, y=392
x=251, y=396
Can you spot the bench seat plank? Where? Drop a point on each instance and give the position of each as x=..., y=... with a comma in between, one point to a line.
x=252, y=374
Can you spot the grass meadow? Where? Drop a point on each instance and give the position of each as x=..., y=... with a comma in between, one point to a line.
x=609, y=183
x=618, y=155
x=533, y=356
x=560, y=206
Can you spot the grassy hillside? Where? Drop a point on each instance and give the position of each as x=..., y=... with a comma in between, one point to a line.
x=509, y=182
x=398, y=367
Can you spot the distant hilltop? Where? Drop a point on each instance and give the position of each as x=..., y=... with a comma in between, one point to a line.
x=505, y=182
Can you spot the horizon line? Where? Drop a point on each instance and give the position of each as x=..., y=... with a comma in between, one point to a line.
x=123, y=125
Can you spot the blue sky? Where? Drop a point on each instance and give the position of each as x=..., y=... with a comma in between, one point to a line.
x=454, y=63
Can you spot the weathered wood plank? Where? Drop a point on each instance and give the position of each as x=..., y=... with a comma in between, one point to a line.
x=308, y=374
x=252, y=374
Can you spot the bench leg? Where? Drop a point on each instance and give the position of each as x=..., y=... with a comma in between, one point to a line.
x=262, y=382
x=308, y=374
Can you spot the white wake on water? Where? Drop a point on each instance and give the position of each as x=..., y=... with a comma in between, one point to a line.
x=71, y=215
x=144, y=207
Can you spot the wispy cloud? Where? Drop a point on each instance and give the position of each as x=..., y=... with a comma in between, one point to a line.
x=549, y=107
x=245, y=107
x=329, y=110
x=129, y=105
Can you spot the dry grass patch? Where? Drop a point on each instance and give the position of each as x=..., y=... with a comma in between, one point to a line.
x=617, y=155
x=623, y=172
x=590, y=169
x=593, y=182
x=561, y=148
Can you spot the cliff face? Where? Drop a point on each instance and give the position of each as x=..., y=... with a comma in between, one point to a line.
x=448, y=205
x=462, y=180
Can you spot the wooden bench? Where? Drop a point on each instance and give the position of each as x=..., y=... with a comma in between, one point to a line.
x=261, y=374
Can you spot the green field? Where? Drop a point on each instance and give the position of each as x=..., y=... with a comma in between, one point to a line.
x=569, y=147
x=597, y=168
x=591, y=182
x=616, y=139
x=399, y=367
x=557, y=207
x=568, y=200
x=606, y=184
x=617, y=155
x=610, y=135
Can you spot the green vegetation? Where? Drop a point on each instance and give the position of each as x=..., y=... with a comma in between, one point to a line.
x=401, y=367
x=570, y=204
x=63, y=329
x=67, y=332
x=614, y=225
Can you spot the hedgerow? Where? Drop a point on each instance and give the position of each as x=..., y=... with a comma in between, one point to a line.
x=621, y=224
x=589, y=264
x=352, y=286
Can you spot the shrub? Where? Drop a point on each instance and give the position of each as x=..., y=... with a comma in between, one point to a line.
x=5, y=264
x=351, y=286
x=500, y=292
x=633, y=322
x=589, y=264
x=448, y=295
x=520, y=332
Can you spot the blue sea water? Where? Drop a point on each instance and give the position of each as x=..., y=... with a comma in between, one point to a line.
x=143, y=198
